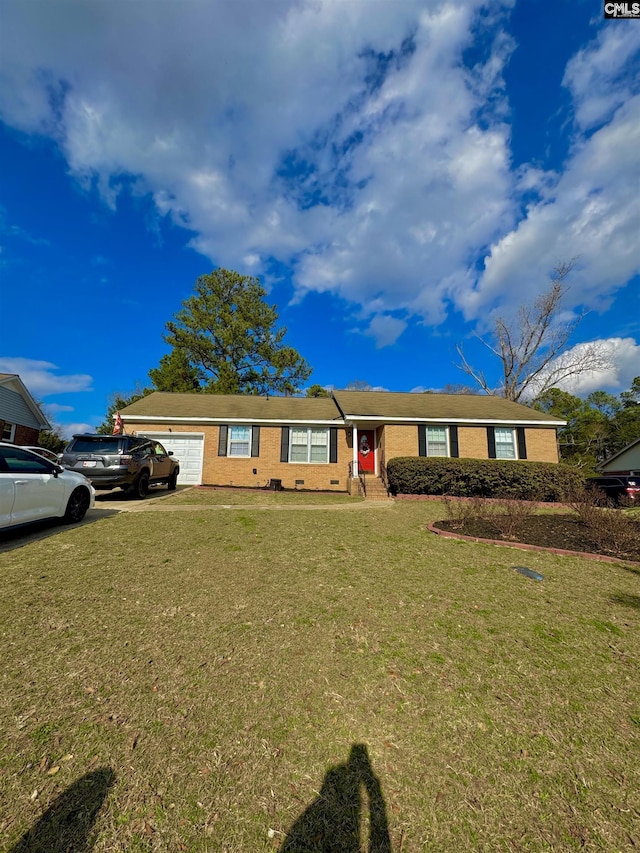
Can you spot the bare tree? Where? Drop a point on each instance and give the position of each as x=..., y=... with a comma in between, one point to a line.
x=359, y=385
x=532, y=347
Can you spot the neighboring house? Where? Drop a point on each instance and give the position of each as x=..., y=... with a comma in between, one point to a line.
x=21, y=419
x=625, y=461
x=327, y=442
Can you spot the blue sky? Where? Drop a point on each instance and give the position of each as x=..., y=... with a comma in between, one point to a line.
x=396, y=171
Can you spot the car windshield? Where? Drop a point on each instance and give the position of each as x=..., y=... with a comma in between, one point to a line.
x=95, y=445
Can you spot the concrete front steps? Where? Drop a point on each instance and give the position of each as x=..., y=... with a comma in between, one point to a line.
x=376, y=490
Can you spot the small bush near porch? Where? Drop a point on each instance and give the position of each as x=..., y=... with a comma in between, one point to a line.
x=188, y=681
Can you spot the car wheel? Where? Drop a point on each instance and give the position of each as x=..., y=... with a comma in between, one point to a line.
x=172, y=482
x=77, y=506
x=141, y=486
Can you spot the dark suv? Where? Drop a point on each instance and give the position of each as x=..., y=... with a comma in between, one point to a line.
x=618, y=488
x=131, y=462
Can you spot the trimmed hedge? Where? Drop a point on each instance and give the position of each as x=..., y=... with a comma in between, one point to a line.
x=486, y=478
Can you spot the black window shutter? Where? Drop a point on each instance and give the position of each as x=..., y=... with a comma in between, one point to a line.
x=522, y=443
x=491, y=442
x=284, y=445
x=222, y=441
x=453, y=442
x=333, y=444
x=255, y=441
x=422, y=440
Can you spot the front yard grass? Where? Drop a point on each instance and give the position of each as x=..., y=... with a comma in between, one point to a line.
x=263, y=497
x=209, y=669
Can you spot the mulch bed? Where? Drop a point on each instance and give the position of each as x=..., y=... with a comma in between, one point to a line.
x=559, y=531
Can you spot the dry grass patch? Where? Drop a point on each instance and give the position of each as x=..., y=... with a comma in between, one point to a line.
x=220, y=665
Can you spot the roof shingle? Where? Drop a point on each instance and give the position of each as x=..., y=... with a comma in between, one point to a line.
x=383, y=405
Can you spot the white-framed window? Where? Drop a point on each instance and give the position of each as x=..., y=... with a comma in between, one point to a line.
x=505, y=443
x=309, y=445
x=239, y=441
x=8, y=431
x=437, y=441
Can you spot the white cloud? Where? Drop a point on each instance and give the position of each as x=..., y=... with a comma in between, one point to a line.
x=355, y=146
x=68, y=430
x=591, y=211
x=386, y=330
x=54, y=409
x=623, y=355
x=595, y=75
x=235, y=116
x=40, y=379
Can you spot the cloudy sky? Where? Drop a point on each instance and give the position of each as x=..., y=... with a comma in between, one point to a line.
x=396, y=171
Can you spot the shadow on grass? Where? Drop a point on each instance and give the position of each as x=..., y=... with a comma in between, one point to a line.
x=332, y=823
x=627, y=600
x=117, y=495
x=66, y=825
x=17, y=537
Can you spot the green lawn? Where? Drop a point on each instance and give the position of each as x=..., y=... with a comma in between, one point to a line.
x=192, y=680
x=248, y=497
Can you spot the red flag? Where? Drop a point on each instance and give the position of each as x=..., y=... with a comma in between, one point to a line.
x=118, y=426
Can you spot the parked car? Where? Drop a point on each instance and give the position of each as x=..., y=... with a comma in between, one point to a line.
x=34, y=489
x=130, y=462
x=617, y=487
x=44, y=452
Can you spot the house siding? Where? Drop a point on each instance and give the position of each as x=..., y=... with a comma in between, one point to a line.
x=14, y=410
x=231, y=471
x=624, y=462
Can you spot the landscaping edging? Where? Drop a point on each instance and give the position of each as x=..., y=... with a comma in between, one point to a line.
x=524, y=546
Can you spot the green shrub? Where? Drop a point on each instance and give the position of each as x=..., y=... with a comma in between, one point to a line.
x=487, y=478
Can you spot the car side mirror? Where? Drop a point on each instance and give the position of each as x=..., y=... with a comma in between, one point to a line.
x=169, y=452
x=57, y=469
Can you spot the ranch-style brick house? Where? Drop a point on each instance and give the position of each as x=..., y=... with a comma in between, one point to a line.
x=332, y=443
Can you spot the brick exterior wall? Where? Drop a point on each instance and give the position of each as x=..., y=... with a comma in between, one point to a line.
x=226, y=471
x=472, y=442
x=542, y=444
x=392, y=440
x=24, y=435
x=402, y=440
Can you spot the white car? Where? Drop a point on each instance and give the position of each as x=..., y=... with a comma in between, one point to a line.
x=43, y=451
x=34, y=489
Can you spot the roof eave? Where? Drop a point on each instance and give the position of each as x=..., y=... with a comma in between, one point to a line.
x=455, y=420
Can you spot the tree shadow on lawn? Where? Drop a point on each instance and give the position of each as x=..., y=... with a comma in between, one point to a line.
x=332, y=822
x=66, y=825
x=627, y=600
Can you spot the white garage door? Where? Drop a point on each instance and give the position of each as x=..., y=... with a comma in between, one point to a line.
x=188, y=447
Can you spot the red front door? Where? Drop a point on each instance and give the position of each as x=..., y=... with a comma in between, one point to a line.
x=366, y=451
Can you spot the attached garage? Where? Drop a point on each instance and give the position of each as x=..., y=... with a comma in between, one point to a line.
x=188, y=447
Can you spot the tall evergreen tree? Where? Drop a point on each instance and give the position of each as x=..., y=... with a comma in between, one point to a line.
x=227, y=334
x=176, y=373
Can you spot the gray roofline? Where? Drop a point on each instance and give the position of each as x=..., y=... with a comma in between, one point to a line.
x=619, y=453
